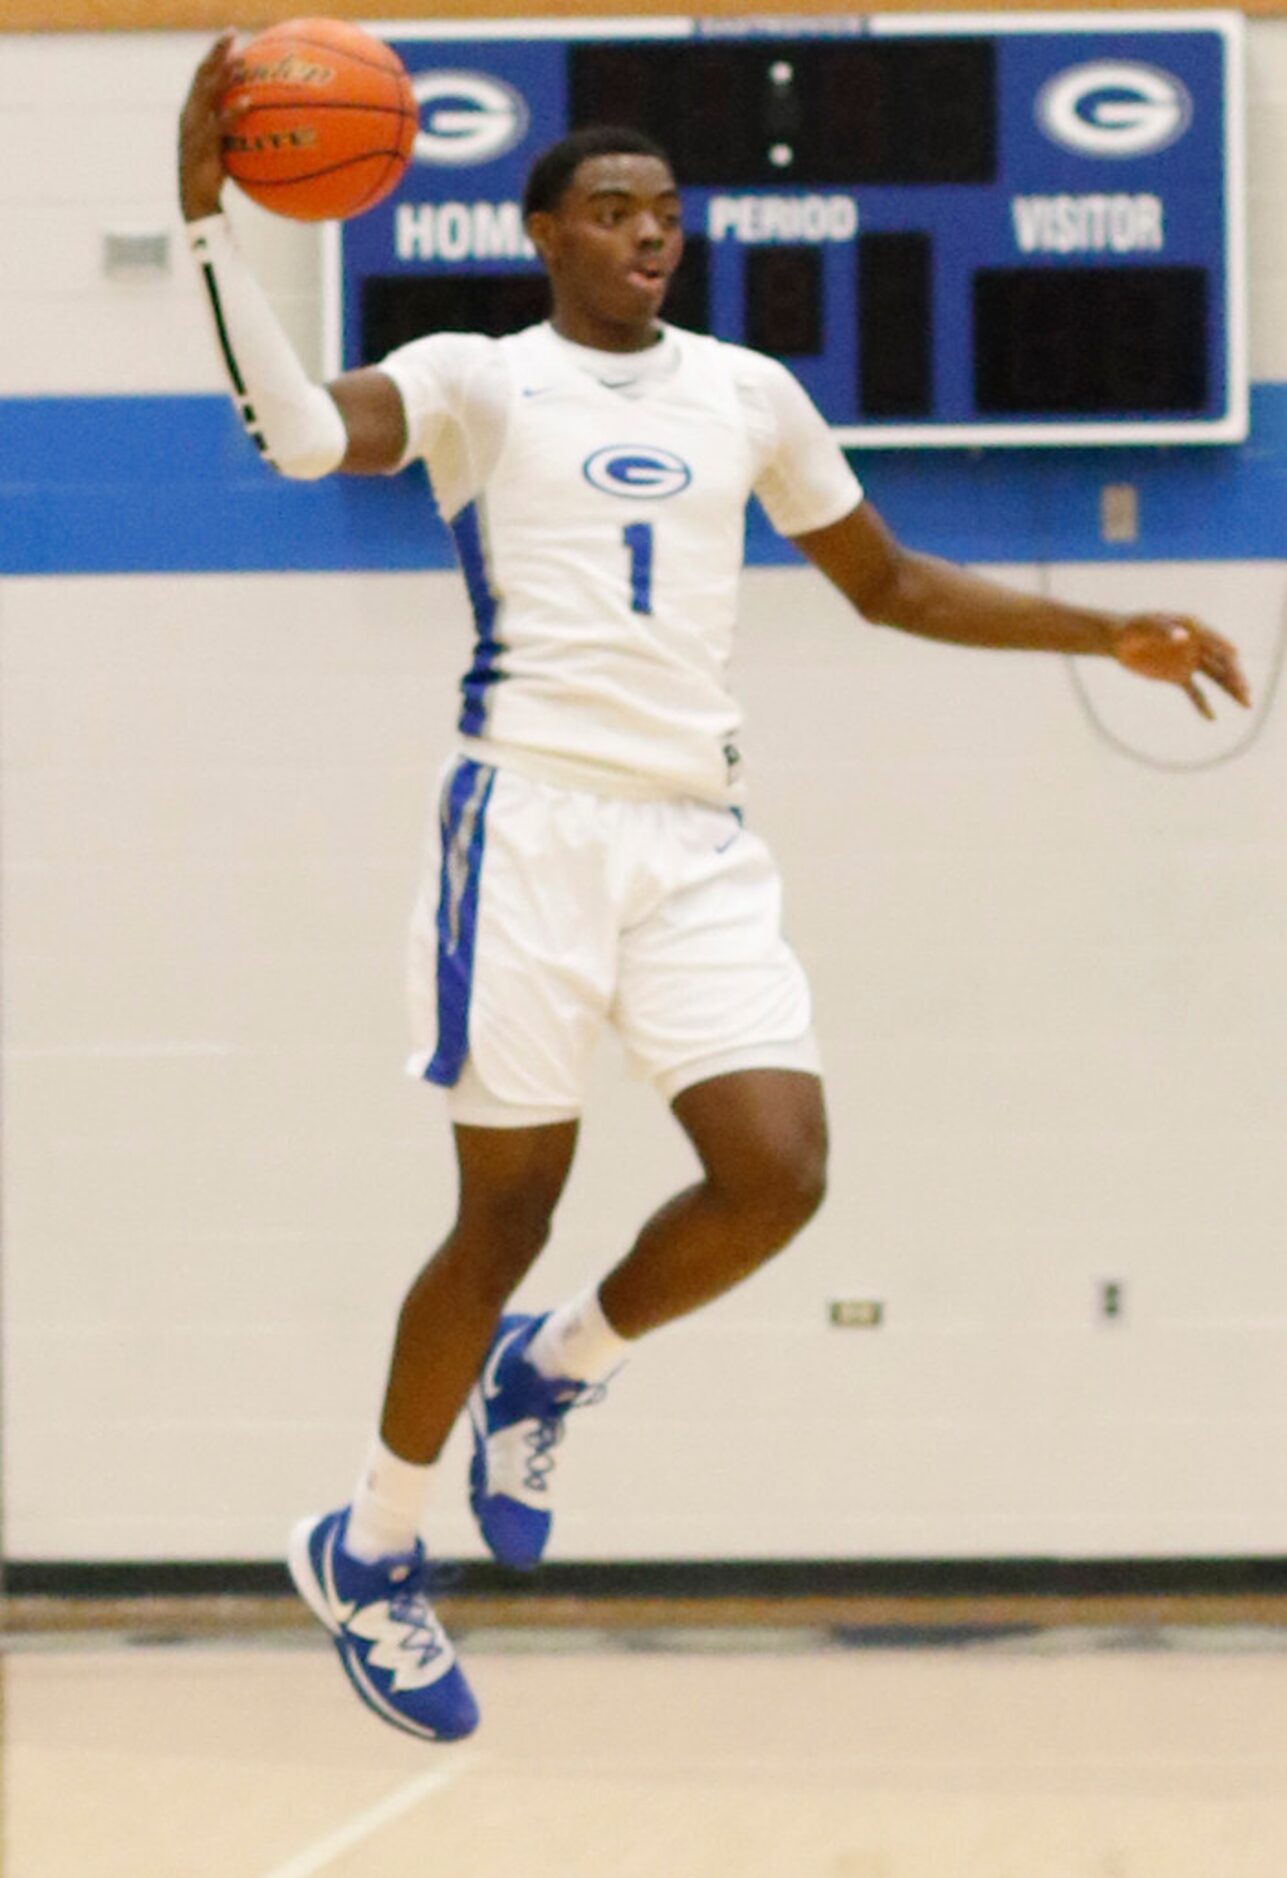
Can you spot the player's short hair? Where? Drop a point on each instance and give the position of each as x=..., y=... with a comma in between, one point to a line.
x=554, y=169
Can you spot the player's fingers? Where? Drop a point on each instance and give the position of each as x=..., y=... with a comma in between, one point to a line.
x=231, y=113
x=1199, y=702
x=1215, y=658
x=1219, y=641
x=214, y=56
x=1228, y=674
x=1219, y=662
x=207, y=82
x=210, y=75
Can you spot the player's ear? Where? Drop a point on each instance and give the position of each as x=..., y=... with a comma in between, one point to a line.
x=540, y=232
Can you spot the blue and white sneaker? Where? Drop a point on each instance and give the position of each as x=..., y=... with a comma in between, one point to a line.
x=394, y=1651
x=518, y=1421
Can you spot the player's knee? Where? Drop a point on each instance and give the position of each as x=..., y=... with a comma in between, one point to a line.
x=510, y=1182
x=805, y=1182
x=509, y=1225
x=786, y=1184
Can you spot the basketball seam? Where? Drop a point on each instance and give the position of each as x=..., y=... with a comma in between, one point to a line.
x=373, y=194
x=320, y=45
x=327, y=104
x=289, y=182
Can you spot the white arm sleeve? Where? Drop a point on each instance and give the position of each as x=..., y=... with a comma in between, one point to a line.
x=293, y=422
x=805, y=481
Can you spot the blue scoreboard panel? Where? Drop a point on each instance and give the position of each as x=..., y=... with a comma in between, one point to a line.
x=955, y=229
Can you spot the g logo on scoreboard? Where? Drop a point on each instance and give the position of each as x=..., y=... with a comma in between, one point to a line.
x=466, y=117
x=1114, y=108
x=637, y=469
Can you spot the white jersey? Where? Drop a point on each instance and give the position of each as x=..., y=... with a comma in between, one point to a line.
x=597, y=501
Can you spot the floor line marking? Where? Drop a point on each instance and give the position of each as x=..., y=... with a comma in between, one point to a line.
x=316, y=1858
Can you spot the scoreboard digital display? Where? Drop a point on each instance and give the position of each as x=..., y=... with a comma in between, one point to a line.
x=955, y=229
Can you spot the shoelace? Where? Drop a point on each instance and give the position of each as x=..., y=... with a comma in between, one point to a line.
x=550, y=1429
x=423, y=1639
x=409, y=1606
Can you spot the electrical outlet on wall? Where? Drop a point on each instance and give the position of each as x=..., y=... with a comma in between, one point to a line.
x=1112, y=1299
x=856, y=1313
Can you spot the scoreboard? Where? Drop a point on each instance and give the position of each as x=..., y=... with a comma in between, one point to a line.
x=954, y=229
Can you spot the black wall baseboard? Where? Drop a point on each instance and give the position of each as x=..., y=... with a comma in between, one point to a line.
x=1258, y=1576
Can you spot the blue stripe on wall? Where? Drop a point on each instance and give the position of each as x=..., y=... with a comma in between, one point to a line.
x=172, y=485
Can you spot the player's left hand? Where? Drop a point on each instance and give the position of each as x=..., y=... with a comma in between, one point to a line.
x=1179, y=651
x=201, y=128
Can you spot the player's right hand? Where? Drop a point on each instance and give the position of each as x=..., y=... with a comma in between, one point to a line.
x=201, y=131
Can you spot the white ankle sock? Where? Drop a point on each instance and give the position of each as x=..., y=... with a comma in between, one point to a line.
x=388, y=1503
x=577, y=1341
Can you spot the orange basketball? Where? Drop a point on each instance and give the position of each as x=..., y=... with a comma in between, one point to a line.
x=329, y=120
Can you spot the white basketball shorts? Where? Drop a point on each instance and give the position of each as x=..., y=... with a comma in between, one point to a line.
x=556, y=911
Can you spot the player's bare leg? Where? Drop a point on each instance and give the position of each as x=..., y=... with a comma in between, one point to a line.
x=362, y=1569
x=762, y=1139
x=761, y=1136
x=510, y=1183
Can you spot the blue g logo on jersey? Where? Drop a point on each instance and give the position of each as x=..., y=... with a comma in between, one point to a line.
x=637, y=470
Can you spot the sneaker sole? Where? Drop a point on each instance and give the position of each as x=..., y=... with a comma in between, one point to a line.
x=299, y=1560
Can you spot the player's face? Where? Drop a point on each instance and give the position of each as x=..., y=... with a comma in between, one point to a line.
x=613, y=242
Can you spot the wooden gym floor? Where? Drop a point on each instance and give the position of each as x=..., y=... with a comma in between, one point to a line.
x=858, y=1738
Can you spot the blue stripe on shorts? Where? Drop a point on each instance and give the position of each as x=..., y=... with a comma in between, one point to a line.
x=464, y=812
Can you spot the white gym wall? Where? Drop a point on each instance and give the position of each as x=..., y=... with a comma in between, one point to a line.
x=1047, y=973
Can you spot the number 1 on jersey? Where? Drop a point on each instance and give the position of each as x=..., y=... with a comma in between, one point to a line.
x=638, y=539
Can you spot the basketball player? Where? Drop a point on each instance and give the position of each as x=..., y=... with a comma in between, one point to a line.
x=594, y=472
